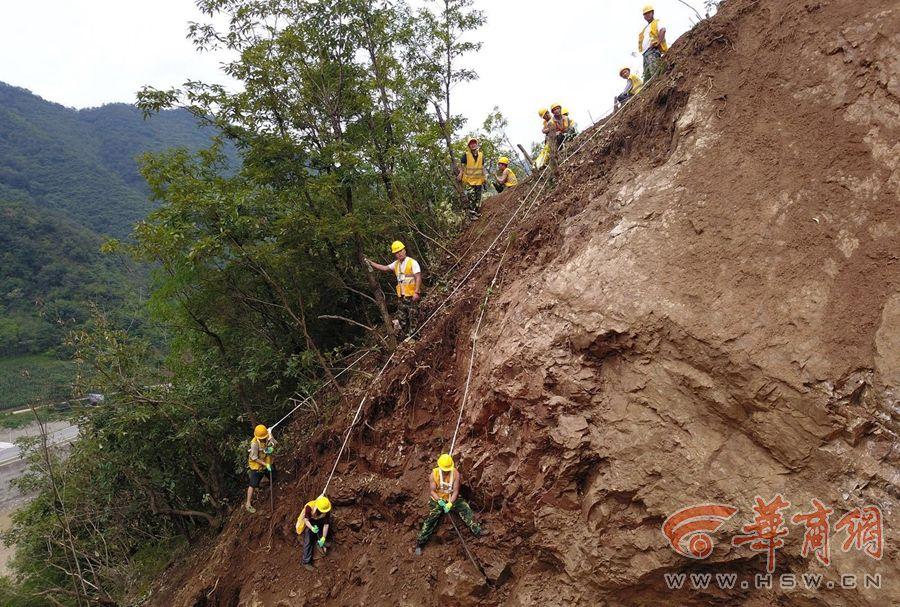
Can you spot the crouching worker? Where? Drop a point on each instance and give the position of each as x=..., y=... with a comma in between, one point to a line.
x=313, y=524
x=506, y=177
x=259, y=462
x=444, y=497
x=632, y=88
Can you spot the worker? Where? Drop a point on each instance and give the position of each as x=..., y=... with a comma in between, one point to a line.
x=262, y=445
x=572, y=125
x=506, y=177
x=632, y=87
x=471, y=173
x=559, y=125
x=313, y=524
x=444, y=497
x=409, y=286
x=544, y=154
x=656, y=44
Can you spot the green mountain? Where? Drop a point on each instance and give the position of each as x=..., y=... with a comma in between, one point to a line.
x=81, y=163
x=69, y=179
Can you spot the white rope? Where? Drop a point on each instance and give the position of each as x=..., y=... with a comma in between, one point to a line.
x=444, y=303
x=317, y=390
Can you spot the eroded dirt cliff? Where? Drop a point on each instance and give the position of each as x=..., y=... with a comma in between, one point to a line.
x=704, y=308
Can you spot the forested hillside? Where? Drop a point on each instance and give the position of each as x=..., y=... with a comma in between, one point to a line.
x=82, y=162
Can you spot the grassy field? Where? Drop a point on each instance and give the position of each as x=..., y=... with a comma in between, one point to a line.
x=26, y=378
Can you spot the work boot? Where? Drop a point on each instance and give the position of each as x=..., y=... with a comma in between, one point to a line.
x=308, y=567
x=250, y=509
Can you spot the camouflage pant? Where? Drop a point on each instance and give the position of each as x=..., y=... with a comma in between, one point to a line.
x=407, y=315
x=435, y=513
x=653, y=63
x=473, y=196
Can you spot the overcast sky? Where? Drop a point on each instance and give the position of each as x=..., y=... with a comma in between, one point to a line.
x=90, y=52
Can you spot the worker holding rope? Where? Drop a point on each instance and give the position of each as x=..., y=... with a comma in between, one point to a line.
x=313, y=524
x=259, y=462
x=444, y=497
x=409, y=286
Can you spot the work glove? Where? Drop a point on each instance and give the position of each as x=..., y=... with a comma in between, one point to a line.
x=315, y=528
x=269, y=467
x=321, y=542
x=270, y=450
x=442, y=503
x=448, y=506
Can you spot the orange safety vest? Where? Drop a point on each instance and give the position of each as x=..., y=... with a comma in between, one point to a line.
x=654, y=37
x=444, y=488
x=406, y=280
x=474, y=171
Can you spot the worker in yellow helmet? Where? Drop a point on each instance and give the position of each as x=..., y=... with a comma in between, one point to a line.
x=505, y=177
x=656, y=44
x=560, y=126
x=313, y=524
x=259, y=461
x=545, y=114
x=444, y=483
x=471, y=173
x=409, y=286
x=632, y=88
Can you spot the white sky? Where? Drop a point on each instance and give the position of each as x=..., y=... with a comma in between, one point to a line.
x=89, y=52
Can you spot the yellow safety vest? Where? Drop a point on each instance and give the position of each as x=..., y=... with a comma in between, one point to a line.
x=444, y=487
x=406, y=280
x=511, y=179
x=262, y=451
x=299, y=526
x=636, y=83
x=474, y=171
x=654, y=37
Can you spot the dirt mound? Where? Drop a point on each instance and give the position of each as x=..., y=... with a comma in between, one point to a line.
x=704, y=309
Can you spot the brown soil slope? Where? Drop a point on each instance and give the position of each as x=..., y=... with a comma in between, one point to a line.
x=704, y=308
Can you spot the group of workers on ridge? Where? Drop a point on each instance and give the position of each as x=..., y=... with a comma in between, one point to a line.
x=652, y=54
x=315, y=519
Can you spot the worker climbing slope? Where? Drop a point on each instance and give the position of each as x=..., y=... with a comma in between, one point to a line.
x=471, y=173
x=656, y=44
x=632, y=87
x=505, y=177
x=444, y=484
x=313, y=524
x=559, y=128
x=409, y=286
x=259, y=462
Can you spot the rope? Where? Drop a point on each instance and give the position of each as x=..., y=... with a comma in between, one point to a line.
x=469, y=554
x=317, y=390
x=446, y=301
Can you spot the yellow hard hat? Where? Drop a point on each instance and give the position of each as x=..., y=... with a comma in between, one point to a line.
x=542, y=111
x=323, y=504
x=565, y=111
x=503, y=160
x=624, y=69
x=397, y=246
x=648, y=8
x=471, y=139
x=445, y=462
x=261, y=432
x=555, y=105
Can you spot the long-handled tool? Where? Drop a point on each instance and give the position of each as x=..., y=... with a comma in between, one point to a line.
x=469, y=554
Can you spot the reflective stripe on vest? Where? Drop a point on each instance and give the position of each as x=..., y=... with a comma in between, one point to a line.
x=474, y=172
x=406, y=280
x=636, y=84
x=654, y=37
x=253, y=465
x=444, y=488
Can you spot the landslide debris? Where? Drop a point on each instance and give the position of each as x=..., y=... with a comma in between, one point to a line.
x=704, y=308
